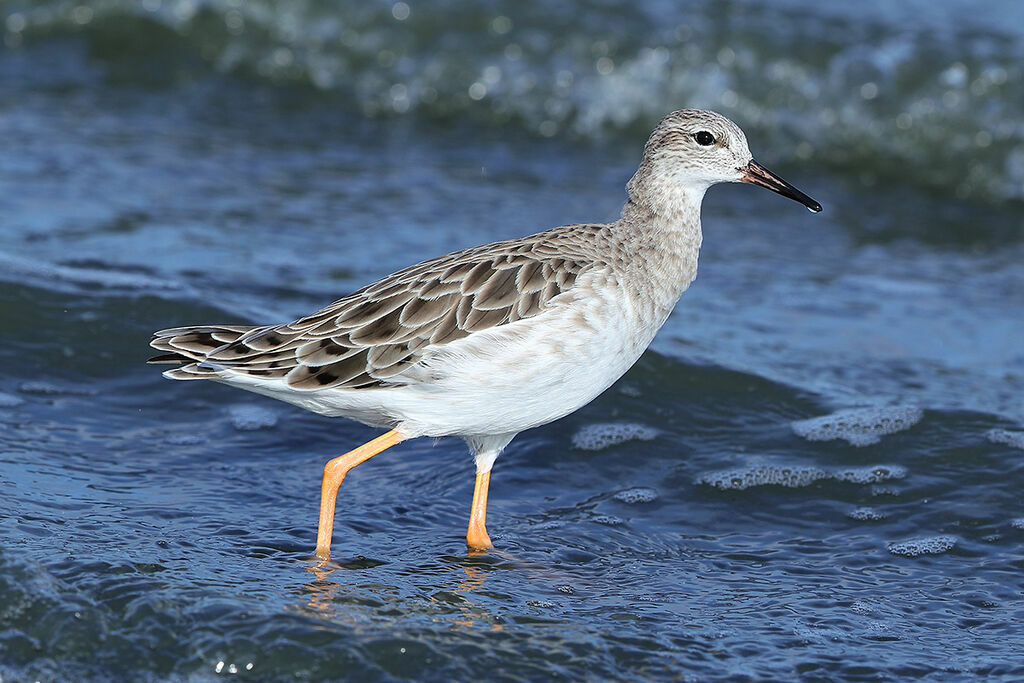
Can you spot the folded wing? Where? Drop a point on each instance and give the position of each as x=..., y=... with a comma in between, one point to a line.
x=369, y=338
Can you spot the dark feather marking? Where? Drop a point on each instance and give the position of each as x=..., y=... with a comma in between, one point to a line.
x=380, y=331
x=498, y=292
x=456, y=272
x=434, y=288
x=226, y=336
x=322, y=352
x=169, y=358
x=370, y=312
x=481, y=319
x=529, y=305
x=315, y=377
x=463, y=310
x=391, y=370
x=386, y=288
x=196, y=343
x=448, y=329
x=530, y=277
x=326, y=314
x=240, y=351
x=326, y=329
x=550, y=291
x=420, y=312
x=380, y=357
x=565, y=279
x=477, y=277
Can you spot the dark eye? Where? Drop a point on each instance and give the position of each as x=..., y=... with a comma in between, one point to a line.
x=704, y=138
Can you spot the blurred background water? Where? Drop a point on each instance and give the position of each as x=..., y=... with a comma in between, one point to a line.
x=816, y=472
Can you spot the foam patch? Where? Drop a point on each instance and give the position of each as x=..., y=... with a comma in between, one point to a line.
x=636, y=495
x=932, y=545
x=866, y=515
x=870, y=475
x=608, y=520
x=796, y=476
x=1006, y=437
x=596, y=437
x=859, y=426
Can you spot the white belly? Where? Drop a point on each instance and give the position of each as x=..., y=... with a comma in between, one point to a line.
x=526, y=373
x=503, y=380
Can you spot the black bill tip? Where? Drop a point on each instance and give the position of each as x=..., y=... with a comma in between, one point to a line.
x=756, y=174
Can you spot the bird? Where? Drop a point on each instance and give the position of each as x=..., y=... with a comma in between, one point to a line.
x=492, y=340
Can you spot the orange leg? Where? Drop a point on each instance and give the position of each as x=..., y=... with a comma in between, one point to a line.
x=334, y=473
x=476, y=536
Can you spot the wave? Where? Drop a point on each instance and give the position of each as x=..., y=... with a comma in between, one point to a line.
x=933, y=101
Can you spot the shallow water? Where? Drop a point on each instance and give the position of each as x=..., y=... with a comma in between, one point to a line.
x=816, y=471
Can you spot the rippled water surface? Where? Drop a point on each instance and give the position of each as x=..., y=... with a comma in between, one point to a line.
x=816, y=471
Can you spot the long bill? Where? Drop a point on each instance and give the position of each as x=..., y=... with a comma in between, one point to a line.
x=756, y=174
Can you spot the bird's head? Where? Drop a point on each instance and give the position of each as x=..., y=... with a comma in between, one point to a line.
x=693, y=149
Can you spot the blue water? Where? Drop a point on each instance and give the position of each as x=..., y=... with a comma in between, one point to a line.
x=167, y=163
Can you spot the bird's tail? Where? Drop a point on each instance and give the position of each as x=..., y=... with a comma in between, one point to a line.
x=187, y=348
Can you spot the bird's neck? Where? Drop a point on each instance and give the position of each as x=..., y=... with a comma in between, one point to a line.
x=664, y=219
x=664, y=243
x=680, y=216
x=660, y=197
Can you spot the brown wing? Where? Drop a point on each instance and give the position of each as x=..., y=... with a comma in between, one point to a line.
x=370, y=337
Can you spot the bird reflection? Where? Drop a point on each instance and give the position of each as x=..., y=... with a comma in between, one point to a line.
x=321, y=589
x=460, y=577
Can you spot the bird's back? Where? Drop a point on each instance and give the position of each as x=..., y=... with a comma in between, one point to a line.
x=372, y=337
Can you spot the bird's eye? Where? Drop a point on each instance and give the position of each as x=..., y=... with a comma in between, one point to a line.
x=704, y=138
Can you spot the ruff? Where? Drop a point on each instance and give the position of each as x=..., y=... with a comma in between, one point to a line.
x=489, y=341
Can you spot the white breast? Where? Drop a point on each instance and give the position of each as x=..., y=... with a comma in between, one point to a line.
x=529, y=372
x=504, y=379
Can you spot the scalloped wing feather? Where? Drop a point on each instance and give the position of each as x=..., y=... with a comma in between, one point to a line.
x=369, y=338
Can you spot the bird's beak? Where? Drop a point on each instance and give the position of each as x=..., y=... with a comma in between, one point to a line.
x=756, y=174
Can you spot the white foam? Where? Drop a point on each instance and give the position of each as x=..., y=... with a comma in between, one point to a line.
x=866, y=515
x=246, y=417
x=796, y=476
x=932, y=545
x=870, y=475
x=1018, y=523
x=861, y=607
x=1006, y=437
x=596, y=437
x=859, y=426
x=763, y=475
x=636, y=495
x=544, y=604
x=608, y=520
